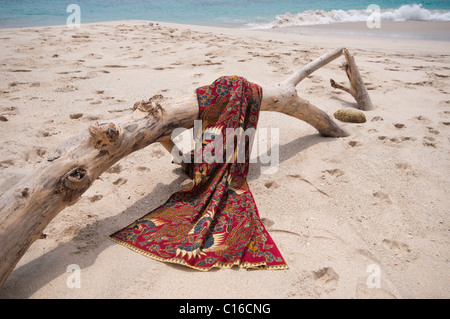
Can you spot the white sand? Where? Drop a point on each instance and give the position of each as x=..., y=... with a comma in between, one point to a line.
x=335, y=207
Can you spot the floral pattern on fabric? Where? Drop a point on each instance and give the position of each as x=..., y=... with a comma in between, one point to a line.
x=215, y=221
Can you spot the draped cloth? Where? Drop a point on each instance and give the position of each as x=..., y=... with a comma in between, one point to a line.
x=214, y=222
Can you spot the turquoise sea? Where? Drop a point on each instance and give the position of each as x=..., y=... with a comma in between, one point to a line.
x=257, y=14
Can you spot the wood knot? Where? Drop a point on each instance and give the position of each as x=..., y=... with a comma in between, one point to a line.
x=105, y=134
x=76, y=179
x=345, y=66
x=152, y=106
x=23, y=192
x=74, y=183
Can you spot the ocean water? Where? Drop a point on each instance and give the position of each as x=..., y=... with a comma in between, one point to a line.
x=257, y=14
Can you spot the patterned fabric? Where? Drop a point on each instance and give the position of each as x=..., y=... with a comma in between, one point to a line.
x=215, y=221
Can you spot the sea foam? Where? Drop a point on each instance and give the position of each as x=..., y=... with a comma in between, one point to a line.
x=413, y=12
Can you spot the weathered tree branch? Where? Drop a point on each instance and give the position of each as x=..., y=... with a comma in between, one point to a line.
x=301, y=74
x=27, y=208
x=285, y=100
x=357, y=87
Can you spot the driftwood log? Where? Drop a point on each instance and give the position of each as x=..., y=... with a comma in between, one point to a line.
x=70, y=169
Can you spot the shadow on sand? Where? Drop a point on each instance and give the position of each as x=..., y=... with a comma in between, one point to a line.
x=92, y=239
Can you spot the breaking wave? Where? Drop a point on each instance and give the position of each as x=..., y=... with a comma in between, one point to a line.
x=413, y=12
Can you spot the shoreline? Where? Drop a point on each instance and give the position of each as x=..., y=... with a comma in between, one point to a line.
x=402, y=30
x=415, y=30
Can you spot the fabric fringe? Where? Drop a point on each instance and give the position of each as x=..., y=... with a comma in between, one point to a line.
x=222, y=265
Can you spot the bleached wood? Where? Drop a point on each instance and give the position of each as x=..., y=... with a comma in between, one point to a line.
x=304, y=72
x=57, y=182
x=357, y=86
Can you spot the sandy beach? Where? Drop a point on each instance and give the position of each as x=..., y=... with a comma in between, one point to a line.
x=338, y=209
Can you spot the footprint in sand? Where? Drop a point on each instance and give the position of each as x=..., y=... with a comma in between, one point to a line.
x=407, y=138
x=6, y=163
x=5, y=112
x=335, y=172
x=40, y=151
x=159, y=68
x=47, y=134
x=394, y=69
x=432, y=130
x=157, y=153
x=116, y=169
x=376, y=119
x=80, y=36
x=271, y=184
x=354, y=143
x=120, y=181
x=34, y=155
x=91, y=118
x=15, y=83
x=67, y=88
x=445, y=103
x=395, y=245
x=423, y=119
x=267, y=222
x=326, y=280
x=429, y=141
x=396, y=139
x=75, y=116
x=94, y=56
x=403, y=166
x=383, y=197
x=95, y=198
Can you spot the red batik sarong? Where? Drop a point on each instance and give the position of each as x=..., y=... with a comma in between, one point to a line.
x=215, y=221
